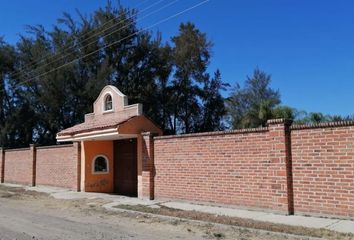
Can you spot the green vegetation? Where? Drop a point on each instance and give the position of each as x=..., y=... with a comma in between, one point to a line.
x=256, y=102
x=50, y=78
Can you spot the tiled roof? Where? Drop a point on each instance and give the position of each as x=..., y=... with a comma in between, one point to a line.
x=94, y=124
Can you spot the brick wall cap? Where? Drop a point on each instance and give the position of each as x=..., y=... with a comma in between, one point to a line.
x=237, y=131
x=323, y=125
x=279, y=121
x=55, y=146
x=17, y=149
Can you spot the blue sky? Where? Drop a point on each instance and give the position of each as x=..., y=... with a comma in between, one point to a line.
x=307, y=46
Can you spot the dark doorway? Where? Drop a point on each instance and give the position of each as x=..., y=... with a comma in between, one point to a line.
x=126, y=167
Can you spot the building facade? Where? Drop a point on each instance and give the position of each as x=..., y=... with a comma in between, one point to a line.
x=292, y=169
x=113, y=141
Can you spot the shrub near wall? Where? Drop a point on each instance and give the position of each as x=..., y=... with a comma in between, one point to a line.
x=56, y=166
x=323, y=169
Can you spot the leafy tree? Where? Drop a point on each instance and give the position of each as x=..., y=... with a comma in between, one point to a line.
x=59, y=98
x=313, y=118
x=317, y=117
x=7, y=61
x=59, y=73
x=256, y=102
x=284, y=112
x=214, y=110
x=16, y=118
x=194, y=99
x=251, y=106
x=191, y=54
x=338, y=118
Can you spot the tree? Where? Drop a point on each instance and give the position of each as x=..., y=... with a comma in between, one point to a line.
x=284, y=112
x=60, y=72
x=312, y=118
x=60, y=98
x=213, y=104
x=16, y=118
x=191, y=56
x=7, y=59
x=252, y=105
x=338, y=118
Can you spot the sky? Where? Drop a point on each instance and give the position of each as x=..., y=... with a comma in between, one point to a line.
x=306, y=45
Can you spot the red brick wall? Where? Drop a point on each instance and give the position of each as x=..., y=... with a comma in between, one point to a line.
x=18, y=166
x=301, y=169
x=147, y=176
x=245, y=167
x=56, y=166
x=323, y=170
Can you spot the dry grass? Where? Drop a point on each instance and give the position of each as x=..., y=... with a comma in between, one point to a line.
x=240, y=222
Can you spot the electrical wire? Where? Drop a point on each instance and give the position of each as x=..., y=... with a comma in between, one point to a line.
x=37, y=61
x=118, y=41
x=108, y=34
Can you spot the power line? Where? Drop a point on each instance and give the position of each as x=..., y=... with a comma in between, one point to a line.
x=34, y=62
x=134, y=15
x=120, y=40
x=108, y=34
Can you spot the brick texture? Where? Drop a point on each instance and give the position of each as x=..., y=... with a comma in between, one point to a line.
x=148, y=171
x=289, y=169
x=323, y=170
x=57, y=166
x=18, y=166
x=293, y=169
x=245, y=168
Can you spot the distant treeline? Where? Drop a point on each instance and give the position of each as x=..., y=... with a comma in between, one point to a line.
x=50, y=79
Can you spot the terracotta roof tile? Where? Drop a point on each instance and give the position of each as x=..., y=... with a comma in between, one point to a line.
x=94, y=124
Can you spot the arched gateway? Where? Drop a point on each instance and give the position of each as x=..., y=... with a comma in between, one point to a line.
x=115, y=141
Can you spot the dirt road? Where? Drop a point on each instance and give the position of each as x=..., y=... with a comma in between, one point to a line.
x=30, y=215
x=19, y=223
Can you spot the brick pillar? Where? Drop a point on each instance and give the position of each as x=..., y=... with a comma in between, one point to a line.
x=281, y=167
x=77, y=159
x=33, y=156
x=2, y=165
x=147, y=176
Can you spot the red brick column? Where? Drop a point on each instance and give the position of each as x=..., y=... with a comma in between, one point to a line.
x=281, y=168
x=77, y=159
x=147, y=166
x=2, y=165
x=33, y=155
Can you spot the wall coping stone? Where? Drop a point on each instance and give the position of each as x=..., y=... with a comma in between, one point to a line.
x=279, y=121
x=17, y=149
x=323, y=125
x=55, y=146
x=236, y=131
